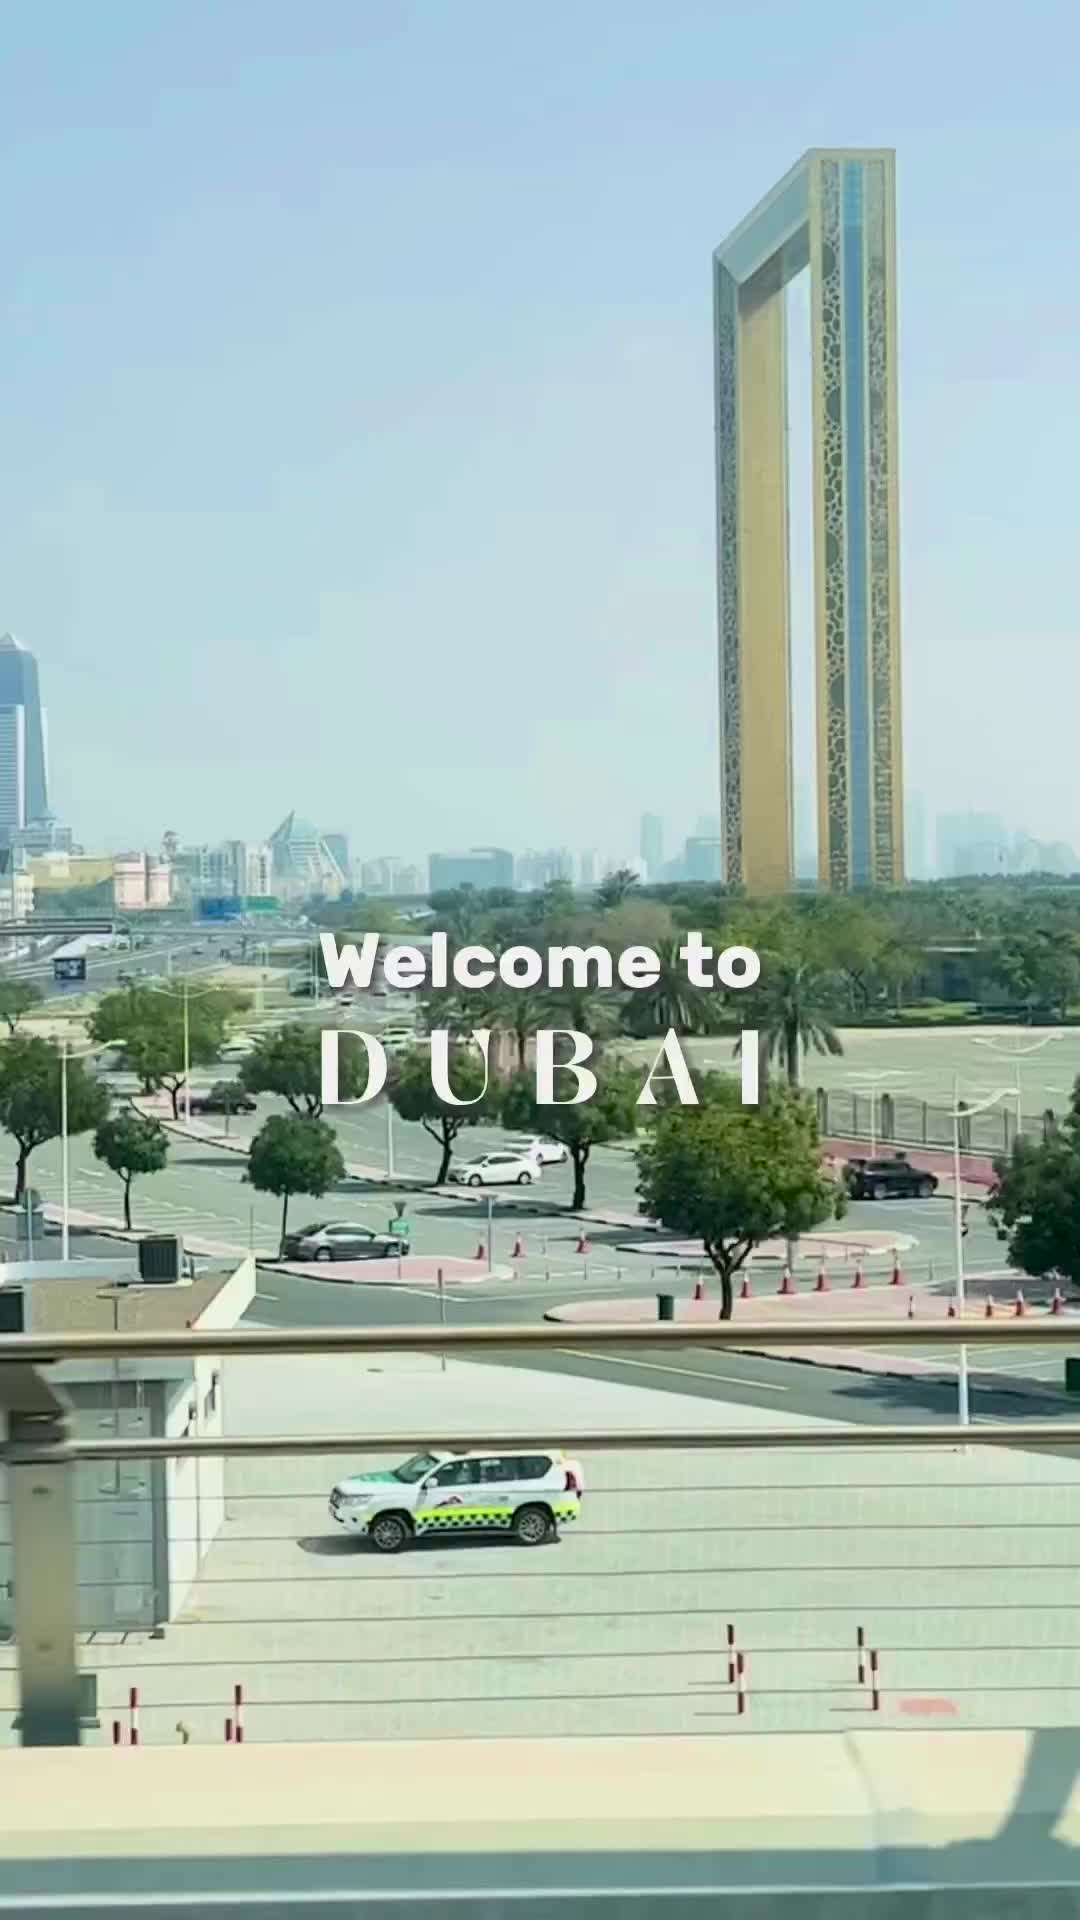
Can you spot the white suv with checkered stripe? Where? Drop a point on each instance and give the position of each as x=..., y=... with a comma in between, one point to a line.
x=527, y=1494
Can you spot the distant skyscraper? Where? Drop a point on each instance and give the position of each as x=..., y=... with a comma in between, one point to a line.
x=652, y=845
x=704, y=857
x=337, y=845
x=971, y=843
x=916, y=850
x=535, y=870
x=480, y=867
x=24, y=791
x=588, y=867
x=708, y=827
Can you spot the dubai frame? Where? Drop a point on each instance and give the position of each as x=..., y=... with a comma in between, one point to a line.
x=834, y=213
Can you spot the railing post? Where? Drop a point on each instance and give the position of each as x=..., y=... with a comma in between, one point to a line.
x=41, y=1492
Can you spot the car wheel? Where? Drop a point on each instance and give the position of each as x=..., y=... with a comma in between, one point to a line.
x=390, y=1532
x=474, y=1180
x=532, y=1526
x=324, y=1253
x=524, y=1179
x=925, y=1189
x=879, y=1191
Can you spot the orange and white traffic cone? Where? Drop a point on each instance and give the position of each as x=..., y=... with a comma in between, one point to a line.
x=517, y=1251
x=786, y=1286
x=988, y=1310
x=1020, y=1309
x=1057, y=1304
x=859, y=1280
x=821, y=1284
x=583, y=1243
x=744, y=1290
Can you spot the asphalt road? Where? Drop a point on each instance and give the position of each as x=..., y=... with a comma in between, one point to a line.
x=202, y=1195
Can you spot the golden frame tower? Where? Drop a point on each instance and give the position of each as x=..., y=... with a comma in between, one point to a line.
x=835, y=213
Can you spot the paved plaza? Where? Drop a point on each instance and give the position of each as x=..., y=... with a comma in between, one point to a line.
x=962, y=1569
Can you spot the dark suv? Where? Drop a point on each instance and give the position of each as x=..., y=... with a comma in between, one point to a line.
x=226, y=1096
x=888, y=1179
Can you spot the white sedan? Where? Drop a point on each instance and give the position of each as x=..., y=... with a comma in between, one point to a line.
x=550, y=1153
x=497, y=1170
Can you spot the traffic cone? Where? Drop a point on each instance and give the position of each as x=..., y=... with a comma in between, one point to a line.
x=1057, y=1304
x=481, y=1250
x=583, y=1243
x=821, y=1284
x=988, y=1310
x=951, y=1312
x=1020, y=1308
x=517, y=1252
x=785, y=1286
x=897, y=1277
x=699, y=1289
x=744, y=1290
x=859, y=1280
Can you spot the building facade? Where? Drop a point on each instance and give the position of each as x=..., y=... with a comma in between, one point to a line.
x=834, y=213
x=479, y=867
x=24, y=787
x=140, y=881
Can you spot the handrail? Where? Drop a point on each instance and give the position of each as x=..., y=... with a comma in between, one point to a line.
x=40, y=1349
x=1033, y=1433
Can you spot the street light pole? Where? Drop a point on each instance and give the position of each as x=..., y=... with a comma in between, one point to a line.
x=65, y=1239
x=389, y=1138
x=963, y=1399
x=187, y=1059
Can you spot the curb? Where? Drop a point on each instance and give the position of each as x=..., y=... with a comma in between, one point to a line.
x=349, y=1280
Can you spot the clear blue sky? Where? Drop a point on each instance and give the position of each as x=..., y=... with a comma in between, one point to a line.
x=357, y=409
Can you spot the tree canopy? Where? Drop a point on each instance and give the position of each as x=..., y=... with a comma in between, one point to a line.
x=129, y=1143
x=734, y=1176
x=288, y=1062
x=412, y=1096
x=612, y=1114
x=1035, y=1200
x=149, y=1024
x=30, y=1099
x=16, y=998
x=293, y=1153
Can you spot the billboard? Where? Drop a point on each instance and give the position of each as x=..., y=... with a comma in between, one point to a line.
x=220, y=907
x=70, y=967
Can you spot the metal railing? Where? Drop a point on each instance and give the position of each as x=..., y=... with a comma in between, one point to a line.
x=49, y=1511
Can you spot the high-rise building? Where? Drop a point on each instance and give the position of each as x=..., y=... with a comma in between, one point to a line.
x=337, y=844
x=536, y=870
x=704, y=859
x=588, y=867
x=652, y=845
x=24, y=787
x=480, y=867
x=140, y=880
x=972, y=843
x=301, y=862
x=834, y=213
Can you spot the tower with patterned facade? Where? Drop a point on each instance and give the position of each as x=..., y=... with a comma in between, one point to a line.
x=834, y=214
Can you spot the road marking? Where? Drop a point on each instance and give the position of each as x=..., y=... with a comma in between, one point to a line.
x=260, y=1295
x=662, y=1366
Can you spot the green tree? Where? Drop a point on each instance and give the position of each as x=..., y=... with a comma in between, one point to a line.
x=16, y=998
x=149, y=1024
x=292, y=1153
x=1035, y=1200
x=614, y=887
x=30, y=1098
x=672, y=1002
x=734, y=1176
x=792, y=1008
x=288, y=1062
x=612, y=1114
x=130, y=1144
x=412, y=1096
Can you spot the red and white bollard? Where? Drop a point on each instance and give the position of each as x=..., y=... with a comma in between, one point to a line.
x=517, y=1251
x=859, y=1280
x=731, y=1656
x=238, y=1706
x=860, y=1646
x=117, y=1734
x=228, y=1733
x=133, y=1716
x=740, y=1683
x=875, y=1690
x=897, y=1277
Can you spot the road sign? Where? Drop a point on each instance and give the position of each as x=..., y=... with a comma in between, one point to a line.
x=400, y=1226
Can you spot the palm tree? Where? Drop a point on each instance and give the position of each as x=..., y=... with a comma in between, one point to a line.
x=671, y=1001
x=792, y=1009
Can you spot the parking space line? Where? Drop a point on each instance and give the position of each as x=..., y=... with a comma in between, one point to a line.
x=663, y=1366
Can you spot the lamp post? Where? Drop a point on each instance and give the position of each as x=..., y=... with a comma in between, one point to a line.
x=185, y=995
x=958, y=1113
x=1016, y=1054
x=65, y=1054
